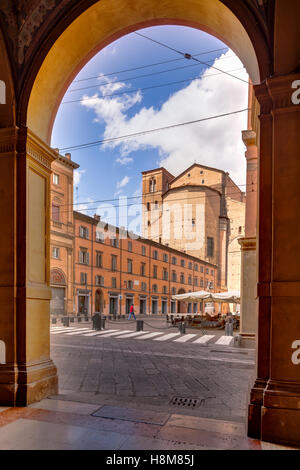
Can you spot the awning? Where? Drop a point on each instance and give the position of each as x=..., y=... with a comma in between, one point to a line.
x=226, y=297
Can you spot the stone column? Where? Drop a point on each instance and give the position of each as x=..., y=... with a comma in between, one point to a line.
x=248, y=328
x=28, y=374
x=274, y=413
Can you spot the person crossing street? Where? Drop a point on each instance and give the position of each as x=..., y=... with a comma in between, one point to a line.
x=131, y=312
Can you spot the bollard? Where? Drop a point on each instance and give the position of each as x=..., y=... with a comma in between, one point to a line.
x=53, y=320
x=181, y=327
x=109, y=317
x=79, y=319
x=72, y=319
x=66, y=321
x=96, y=321
x=139, y=325
x=115, y=317
x=229, y=327
x=102, y=320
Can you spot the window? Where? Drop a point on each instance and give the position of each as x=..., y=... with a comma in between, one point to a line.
x=165, y=257
x=129, y=285
x=190, y=280
x=201, y=269
x=99, y=236
x=182, y=278
x=182, y=263
x=83, y=278
x=202, y=181
x=149, y=223
x=98, y=259
x=55, y=178
x=207, y=271
x=174, y=276
x=155, y=254
x=55, y=253
x=154, y=288
x=83, y=232
x=240, y=229
x=143, y=250
x=190, y=265
x=129, y=266
x=193, y=223
x=152, y=185
x=165, y=275
x=148, y=206
x=210, y=247
x=144, y=286
x=165, y=290
x=84, y=257
x=114, y=242
x=196, y=267
x=173, y=290
x=195, y=281
x=99, y=280
x=113, y=282
x=201, y=172
x=174, y=260
x=129, y=246
x=212, y=272
x=55, y=212
x=113, y=263
x=155, y=272
x=155, y=205
x=201, y=282
x=143, y=269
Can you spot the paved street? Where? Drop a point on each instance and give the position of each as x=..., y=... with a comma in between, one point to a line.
x=120, y=368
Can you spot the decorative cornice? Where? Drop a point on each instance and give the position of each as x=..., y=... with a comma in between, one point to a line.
x=39, y=150
x=8, y=140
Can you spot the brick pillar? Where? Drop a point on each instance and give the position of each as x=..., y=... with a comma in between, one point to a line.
x=27, y=373
x=274, y=413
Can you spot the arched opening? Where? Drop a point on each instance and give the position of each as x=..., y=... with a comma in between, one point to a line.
x=71, y=43
x=182, y=307
x=99, y=301
x=102, y=23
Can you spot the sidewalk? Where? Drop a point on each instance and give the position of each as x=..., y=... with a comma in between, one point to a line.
x=64, y=425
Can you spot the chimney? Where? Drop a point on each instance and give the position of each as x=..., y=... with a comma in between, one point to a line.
x=68, y=156
x=97, y=217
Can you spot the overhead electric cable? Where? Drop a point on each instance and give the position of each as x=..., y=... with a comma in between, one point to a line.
x=148, y=65
x=135, y=134
x=190, y=57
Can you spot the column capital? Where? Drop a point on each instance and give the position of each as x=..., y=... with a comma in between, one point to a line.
x=249, y=138
x=247, y=243
x=276, y=93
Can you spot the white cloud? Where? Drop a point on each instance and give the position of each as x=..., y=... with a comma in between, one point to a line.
x=214, y=143
x=86, y=207
x=77, y=176
x=123, y=182
x=124, y=160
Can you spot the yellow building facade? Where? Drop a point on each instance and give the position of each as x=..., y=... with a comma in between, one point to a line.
x=200, y=212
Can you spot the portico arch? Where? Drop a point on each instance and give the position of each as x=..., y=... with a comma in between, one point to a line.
x=106, y=21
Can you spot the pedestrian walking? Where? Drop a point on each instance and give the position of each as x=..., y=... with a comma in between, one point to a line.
x=131, y=312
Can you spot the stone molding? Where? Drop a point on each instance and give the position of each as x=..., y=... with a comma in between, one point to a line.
x=247, y=244
x=39, y=150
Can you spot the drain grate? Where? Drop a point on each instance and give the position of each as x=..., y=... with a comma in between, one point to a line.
x=185, y=402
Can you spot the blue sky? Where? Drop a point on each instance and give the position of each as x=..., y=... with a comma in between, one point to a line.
x=113, y=170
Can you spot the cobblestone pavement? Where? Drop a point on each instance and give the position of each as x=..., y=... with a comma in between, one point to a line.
x=129, y=372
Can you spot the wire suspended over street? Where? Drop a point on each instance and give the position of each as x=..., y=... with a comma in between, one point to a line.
x=145, y=132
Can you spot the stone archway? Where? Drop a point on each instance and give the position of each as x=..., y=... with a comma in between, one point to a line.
x=271, y=57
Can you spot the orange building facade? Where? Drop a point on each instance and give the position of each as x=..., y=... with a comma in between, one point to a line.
x=96, y=267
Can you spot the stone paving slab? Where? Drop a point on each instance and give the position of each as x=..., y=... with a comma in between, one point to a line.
x=132, y=414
